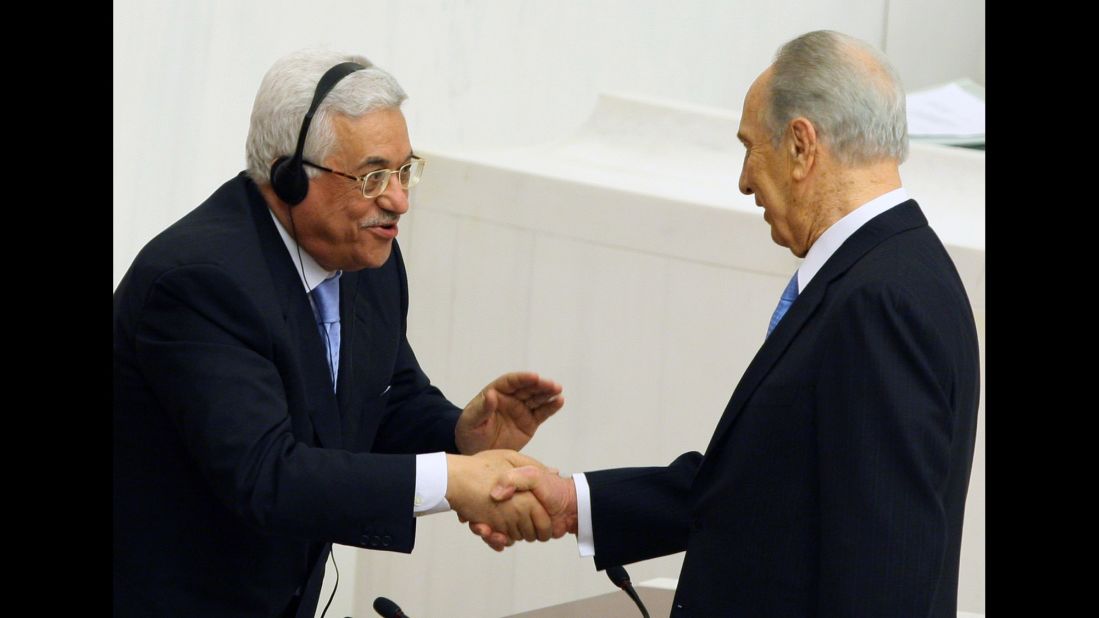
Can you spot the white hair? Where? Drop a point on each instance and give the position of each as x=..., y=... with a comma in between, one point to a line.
x=847, y=89
x=284, y=97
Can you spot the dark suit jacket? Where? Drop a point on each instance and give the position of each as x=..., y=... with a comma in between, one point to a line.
x=235, y=464
x=835, y=482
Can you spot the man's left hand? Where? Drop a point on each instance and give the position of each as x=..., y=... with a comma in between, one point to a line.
x=507, y=412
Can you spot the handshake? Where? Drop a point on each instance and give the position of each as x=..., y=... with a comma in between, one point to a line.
x=506, y=496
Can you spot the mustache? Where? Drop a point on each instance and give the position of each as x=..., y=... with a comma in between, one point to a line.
x=385, y=218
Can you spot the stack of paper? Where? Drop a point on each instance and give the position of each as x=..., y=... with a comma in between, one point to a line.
x=951, y=114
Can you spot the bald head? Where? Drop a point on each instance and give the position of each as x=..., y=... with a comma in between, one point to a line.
x=847, y=89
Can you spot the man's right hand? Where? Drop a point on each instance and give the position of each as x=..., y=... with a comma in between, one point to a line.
x=556, y=495
x=470, y=479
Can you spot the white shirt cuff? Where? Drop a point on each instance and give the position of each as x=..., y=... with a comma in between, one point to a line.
x=430, y=496
x=585, y=536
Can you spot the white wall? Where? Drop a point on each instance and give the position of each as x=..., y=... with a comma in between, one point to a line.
x=484, y=74
x=932, y=41
x=479, y=73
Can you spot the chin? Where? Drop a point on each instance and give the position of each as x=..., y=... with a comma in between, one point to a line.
x=376, y=258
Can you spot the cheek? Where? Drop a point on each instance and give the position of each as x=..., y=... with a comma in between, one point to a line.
x=349, y=211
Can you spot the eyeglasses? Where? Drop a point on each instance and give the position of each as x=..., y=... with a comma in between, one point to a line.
x=375, y=183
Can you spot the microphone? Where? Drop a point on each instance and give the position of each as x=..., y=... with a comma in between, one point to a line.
x=388, y=608
x=619, y=577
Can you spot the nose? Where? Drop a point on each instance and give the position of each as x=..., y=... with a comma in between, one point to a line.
x=395, y=197
x=743, y=185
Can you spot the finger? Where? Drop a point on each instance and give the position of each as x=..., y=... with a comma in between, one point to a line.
x=526, y=527
x=543, y=390
x=491, y=401
x=530, y=413
x=514, y=532
x=496, y=540
x=518, y=414
x=494, y=544
x=500, y=493
x=507, y=483
x=533, y=521
x=543, y=524
x=499, y=541
x=553, y=400
x=519, y=381
x=509, y=383
x=526, y=392
x=548, y=409
x=524, y=478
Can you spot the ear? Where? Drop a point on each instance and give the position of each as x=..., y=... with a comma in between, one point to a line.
x=801, y=147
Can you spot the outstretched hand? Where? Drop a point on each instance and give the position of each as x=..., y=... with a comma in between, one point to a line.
x=506, y=413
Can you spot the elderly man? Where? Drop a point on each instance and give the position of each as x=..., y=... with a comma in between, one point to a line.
x=266, y=400
x=835, y=481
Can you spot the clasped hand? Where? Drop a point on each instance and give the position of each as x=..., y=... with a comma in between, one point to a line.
x=506, y=496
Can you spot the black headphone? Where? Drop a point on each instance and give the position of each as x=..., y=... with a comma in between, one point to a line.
x=288, y=177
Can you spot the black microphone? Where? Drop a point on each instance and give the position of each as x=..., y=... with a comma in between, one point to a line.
x=619, y=577
x=388, y=608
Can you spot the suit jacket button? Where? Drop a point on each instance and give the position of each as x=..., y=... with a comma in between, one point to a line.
x=385, y=541
x=365, y=540
x=696, y=523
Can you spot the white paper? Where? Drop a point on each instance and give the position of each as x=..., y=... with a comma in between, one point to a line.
x=947, y=111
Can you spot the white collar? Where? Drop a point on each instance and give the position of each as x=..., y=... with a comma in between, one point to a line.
x=841, y=230
x=310, y=272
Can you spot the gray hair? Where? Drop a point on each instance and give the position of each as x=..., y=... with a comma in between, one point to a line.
x=847, y=89
x=285, y=94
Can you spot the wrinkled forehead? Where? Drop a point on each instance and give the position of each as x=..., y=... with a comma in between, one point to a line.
x=380, y=136
x=751, y=119
x=758, y=92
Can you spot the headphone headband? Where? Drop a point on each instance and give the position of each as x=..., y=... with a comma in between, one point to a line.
x=288, y=177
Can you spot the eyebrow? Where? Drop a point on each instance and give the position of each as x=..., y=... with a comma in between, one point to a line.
x=376, y=161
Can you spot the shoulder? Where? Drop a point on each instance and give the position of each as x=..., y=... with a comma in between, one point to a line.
x=218, y=240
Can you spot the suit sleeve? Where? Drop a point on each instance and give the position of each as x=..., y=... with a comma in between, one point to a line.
x=206, y=352
x=884, y=441
x=419, y=419
x=641, y=513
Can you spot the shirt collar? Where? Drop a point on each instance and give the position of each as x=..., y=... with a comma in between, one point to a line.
x=310, y=272
x=841, y=230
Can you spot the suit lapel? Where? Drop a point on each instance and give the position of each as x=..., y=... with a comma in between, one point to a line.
x=354, y=343
x=363, y=374
x=322, y=405
x=904, y=216
x=302, y=327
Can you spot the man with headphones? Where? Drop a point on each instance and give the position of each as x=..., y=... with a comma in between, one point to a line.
x=266, y=400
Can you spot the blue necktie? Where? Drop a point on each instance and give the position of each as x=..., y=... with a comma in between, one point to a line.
x=788, y=297
x=326, y=297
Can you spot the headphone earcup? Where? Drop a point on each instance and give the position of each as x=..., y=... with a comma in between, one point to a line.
x=289, y=180
x=288, y=177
